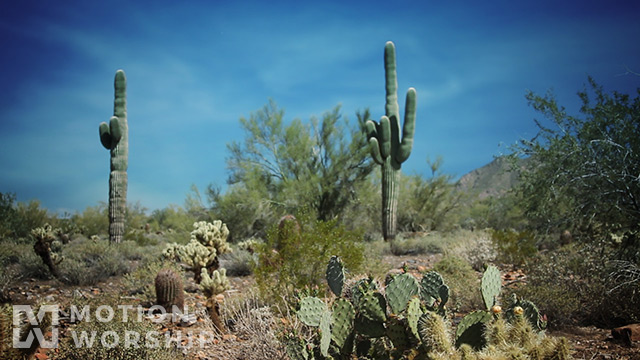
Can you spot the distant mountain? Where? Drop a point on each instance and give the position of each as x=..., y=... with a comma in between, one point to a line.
x=495, y=178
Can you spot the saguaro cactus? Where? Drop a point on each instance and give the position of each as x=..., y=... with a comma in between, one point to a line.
x=114, y=136
x=387, y=149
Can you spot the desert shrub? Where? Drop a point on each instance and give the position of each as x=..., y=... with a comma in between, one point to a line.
x=131, y=250
x=142, y=238
x=238, y=263
x=94, y=220
x=31, y=265
x=135, y=217
x=173, y=218
x=298, y=259
x=150, y=344
x=576, y=284
x=87, y=262
x=17, y=219
x=514, y=247
x=460, y=277
x=412, y=244
x=10, y=251
x=257, y=327
x=427, y=203
x=475, y=247
x=7, y=277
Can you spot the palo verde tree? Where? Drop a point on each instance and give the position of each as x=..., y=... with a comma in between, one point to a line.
x=282, y=167
x=387, y=149
x=114, y=136
x=584, y=169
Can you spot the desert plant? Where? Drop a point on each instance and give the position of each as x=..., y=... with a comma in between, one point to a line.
x=212, y=286
x=141, y=281
x=514, y=247
x=88, y=262
x=408, y=320
x=290, y=262
x=387, y=149
x=46, y=246
x=169, y=290
x=208, y=241
x=114, y=136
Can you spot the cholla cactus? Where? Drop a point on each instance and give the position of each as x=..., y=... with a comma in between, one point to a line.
x=212, y=235
x=215, y=284
x=45, y=246
x=208, y=241
x=211, y=286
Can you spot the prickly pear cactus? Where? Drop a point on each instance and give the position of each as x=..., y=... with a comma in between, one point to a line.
x=169, y=290
x=114, y=136
x=387, y=149
x=414, y=312
x=491, y=286
x=401, y=321
x=324, y=327
x=343, y=315
x=400, y=290
x=311, y=310
x=471, y=329
x=335, y=275
x=434, y=291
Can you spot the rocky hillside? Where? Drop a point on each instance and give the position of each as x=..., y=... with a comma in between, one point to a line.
x=492, y=179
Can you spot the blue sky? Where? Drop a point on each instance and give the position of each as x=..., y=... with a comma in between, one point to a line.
x=195, y=67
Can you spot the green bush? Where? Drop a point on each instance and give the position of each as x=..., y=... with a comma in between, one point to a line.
x=239, y=262
x=17, y=220
x=514, y=247
x=30, y=265
x=87, y=262
x=577, y=285
x=460, y=277
x=94, y=220
x=141, y=281
x=415, y=245
x=291, y=262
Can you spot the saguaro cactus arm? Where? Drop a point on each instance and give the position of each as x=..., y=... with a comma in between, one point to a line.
x=110, y=133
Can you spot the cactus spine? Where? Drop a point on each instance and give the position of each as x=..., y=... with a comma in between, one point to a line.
x=387, y=149
x=115, y=137
x=169, y=290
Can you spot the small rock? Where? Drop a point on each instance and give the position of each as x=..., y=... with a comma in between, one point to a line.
x=627, y=334
x=188, y=320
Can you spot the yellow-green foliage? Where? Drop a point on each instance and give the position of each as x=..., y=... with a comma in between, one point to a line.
x=460, y=277
x=215, y=284
x=514, y=247
x=212, y=235
x=301, y=258
x=208, y=241
x=196, y=255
